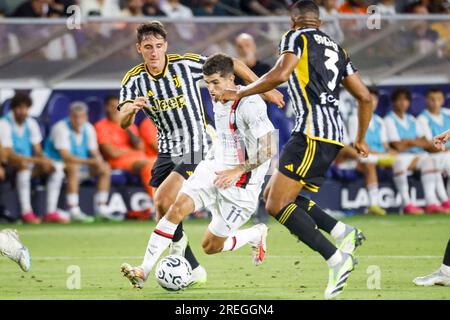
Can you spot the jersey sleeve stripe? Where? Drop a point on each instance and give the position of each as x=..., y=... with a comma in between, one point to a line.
x=132, y=72
x=122, y=103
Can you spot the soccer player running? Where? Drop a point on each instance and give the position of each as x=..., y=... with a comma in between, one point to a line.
x=442, y=275
x=11, y=247
x=314, y=66
x=229, y=184
x=166, y=88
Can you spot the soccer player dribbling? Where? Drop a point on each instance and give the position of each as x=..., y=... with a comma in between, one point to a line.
x=442, y=275
x=229, y=182
x=314, y=66
x=165, y=87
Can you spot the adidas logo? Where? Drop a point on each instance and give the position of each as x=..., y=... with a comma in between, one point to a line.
x=290, y=167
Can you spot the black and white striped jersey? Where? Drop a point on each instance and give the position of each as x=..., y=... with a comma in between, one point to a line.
x=175, y=104
x=314, y=85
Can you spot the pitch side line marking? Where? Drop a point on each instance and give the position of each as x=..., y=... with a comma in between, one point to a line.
x=228, y=257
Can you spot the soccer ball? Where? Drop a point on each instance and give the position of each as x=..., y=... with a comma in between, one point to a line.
x=173, y=273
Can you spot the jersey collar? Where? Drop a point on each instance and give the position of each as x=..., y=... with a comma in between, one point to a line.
x=160, y=74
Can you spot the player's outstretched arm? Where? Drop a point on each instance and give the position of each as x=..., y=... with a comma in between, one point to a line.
x=128, y=111
x=359, y=91
x=279, y=74
x=440, y=140
x=245, y=73
x=267, y=149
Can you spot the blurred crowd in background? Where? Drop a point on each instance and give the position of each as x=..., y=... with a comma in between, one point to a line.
x=189, y=8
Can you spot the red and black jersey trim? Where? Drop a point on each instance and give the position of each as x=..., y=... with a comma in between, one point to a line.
x=240, y=145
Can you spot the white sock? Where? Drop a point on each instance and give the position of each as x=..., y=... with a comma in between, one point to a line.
x=373, y=194
x=335, y=259
x=54, y=183
x=73, y=203
x=429, y=187
x=159, y=240
x=102, y=209
x=440, y=187
x=401, y=183
x=241, y=238
x=23, y=185
x=338, y=230
x=101, y=198
x=445, y=270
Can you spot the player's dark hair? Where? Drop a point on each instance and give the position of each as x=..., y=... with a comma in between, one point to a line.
x=434, y=90
x=397, y=93
x=305, y=6
x=218, y=63
x=154, y=28
x=374, y=91
x=19, y=99
x=109, y=98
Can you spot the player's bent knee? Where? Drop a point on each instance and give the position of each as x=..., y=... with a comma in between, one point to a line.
x=71, y=169
x=273, y=207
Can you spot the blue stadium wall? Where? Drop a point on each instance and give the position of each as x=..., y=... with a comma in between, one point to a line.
x=343, y=191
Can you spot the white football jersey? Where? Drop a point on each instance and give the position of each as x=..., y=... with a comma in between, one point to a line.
x=239, y=125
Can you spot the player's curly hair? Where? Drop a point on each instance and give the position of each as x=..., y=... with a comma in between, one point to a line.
x=218, y=63
x=19, y=99
x=154, y=28
x=401, y=92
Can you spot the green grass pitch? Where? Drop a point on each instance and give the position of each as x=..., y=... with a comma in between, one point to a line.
x=399, y=247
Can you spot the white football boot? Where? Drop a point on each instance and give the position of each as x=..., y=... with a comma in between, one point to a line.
x=338, y=275
x=259, y=248
x=11, y=247
x=436, y=278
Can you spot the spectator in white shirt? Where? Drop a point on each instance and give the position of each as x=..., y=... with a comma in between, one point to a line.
x=72, y=145
x=175, y=10
x=386, y=7
x=104, y=8
x=21, y=136
x=436, y=119
x=407, y=136
x=330, y=24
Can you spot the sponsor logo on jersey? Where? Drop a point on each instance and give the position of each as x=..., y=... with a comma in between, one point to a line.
x=160, y=105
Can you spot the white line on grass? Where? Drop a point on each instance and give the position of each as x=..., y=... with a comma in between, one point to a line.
x=228, y=257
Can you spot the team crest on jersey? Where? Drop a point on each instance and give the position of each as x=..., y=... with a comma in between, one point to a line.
x=177, y=81
x=150, y=93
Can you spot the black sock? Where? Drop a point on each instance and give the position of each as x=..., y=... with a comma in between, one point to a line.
x=323, y=220
x=300, y=224
x=447, y=255
x=178, y=233
x=188, y=254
